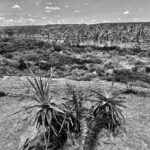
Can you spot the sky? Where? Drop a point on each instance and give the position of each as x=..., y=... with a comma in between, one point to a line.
x=42, y=12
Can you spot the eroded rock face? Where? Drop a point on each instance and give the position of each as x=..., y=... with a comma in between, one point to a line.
x=122, y=35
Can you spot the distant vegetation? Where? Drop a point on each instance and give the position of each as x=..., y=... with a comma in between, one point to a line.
x=79, y=52
x=74, y=62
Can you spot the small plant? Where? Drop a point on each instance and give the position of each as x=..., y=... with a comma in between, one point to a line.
x=75, y=100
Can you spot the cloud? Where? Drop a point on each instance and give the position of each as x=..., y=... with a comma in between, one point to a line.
x=31, y=20
x=135, y=19
x=38, y=2
x=66, y=6
x=50, y=21
x=29, y=15
x=16, y=7
x=119, y=19
x=8, y=21
x=127, y=12
x=52, y=8
x=2, y=18
x=86, y=4
x=93, y=21
x=61, y=21
x=76, y=11
x=49, y=3
x=106, y=21
x=47, y=10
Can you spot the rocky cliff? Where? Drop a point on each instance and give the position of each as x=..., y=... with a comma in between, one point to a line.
x=122, y=35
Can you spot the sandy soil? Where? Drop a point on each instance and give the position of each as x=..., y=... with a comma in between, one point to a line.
x=136, y=137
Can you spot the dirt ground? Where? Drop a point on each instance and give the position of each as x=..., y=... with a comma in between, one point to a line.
x=137, y=114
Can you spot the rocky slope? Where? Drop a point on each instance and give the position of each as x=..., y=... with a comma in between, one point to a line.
x=122, y=35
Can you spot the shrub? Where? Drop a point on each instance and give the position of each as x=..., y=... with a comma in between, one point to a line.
x=78, y=72
x=58, y=48
x=147, y=69
x=22, y=64
x=2, y=94
x=76, y=66
x=31, y=57
x=44, y=65
x=125, y=76
x=139, y=63
x=7, y=39
x=109, y=65
x=8, y=55
x=135, y=69
x=100, y=71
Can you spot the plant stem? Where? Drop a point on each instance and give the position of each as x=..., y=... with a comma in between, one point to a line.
x=94, y=128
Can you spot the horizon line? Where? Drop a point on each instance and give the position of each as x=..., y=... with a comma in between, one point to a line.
x=133, y=22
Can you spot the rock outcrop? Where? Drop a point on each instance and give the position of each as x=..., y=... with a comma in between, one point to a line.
x=122, y=35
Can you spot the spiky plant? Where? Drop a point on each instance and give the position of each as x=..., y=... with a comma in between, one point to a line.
x=56, y=123
x=55, y=120
x=106, y=114
x=107, y=109
x=75, y=100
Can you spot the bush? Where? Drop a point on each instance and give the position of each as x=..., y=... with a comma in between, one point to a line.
x=44, y=65
x=58, y=48
x=9, y=55
x=100, y=71
x=2, y=94
x=125, y=76
x=22, y=64
x=109, y=65
x=78, y=73
x=147, y=69
x=139, y=63
x=31, y=57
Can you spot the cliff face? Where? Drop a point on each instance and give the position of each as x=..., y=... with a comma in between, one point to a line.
x=123, y=35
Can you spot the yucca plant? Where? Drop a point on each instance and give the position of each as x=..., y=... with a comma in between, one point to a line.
x=75, y=99
x=56, y=121
x=52, y=121
x=106, y=114
x=107, y=109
